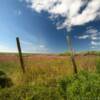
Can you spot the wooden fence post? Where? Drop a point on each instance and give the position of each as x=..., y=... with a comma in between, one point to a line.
x=72, y=53
x=20, y=54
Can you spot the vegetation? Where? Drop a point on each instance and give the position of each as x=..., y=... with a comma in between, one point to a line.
x=83, y=53
x=65, y=54
x=51, y=79
x=98, y=66
x=83, y=86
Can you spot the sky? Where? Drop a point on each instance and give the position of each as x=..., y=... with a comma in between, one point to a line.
x=42, y=25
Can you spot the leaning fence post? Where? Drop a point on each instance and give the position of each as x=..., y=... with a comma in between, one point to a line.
x=20, y=54
x=72, y=53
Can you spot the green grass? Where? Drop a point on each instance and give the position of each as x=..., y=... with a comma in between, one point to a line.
x=52, y=79
x=82, y=86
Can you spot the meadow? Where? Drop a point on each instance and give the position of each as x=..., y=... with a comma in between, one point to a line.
x=50, y=77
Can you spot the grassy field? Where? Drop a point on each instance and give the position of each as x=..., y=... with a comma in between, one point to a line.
x=49, y=77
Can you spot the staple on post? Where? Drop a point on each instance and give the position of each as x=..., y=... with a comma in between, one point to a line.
x=20, y=54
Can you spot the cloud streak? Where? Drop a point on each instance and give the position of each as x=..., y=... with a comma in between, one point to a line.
x=28, y=46
x=83, y=37
x=95, y=43
x=4, y=48
x=75, y=12
x=93, y=35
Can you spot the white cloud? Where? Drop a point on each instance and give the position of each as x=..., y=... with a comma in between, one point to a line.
x=83, y=37
x=89, y=14
x=95, y=38
x=33, y=48
x=42, y=46
x=93, y=47
x=39, y=49
x=94, y=34
x=26, y=46
x=68, y=9
x=4, y=48
x=26, y=43
x=91, y=33
x=95, y=43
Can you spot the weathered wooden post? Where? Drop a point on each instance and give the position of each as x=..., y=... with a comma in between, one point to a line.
x=72, y=53
x=20, y=54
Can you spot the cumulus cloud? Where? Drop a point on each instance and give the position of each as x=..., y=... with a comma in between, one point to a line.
x=75, y=12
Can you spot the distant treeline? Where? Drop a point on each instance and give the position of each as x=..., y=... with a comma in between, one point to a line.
x=60, y=54
x=81, y=53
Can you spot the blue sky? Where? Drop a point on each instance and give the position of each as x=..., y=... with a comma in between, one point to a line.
x=39, y=34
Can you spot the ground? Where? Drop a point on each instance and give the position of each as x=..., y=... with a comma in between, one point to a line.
x=45, y=74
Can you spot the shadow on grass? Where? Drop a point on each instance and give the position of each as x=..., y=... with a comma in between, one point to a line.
x=5, y=81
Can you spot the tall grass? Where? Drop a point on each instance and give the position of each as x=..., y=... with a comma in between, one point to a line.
x=52, y=79
x=98, y=66
x=82, y=86
x=49, y=70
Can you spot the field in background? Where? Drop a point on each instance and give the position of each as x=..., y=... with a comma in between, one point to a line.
x=44, y=72
x=44, y=67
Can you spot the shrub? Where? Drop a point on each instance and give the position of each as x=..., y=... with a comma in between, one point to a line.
x=4, y=80
x=83, y=86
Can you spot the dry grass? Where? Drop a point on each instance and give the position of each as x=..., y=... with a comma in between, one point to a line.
x=46, y=69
